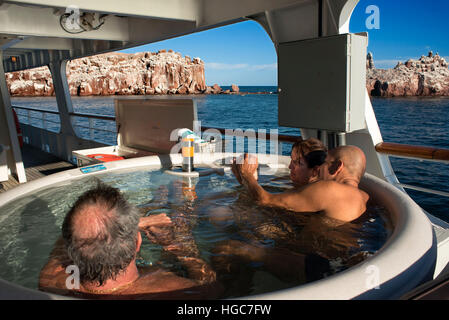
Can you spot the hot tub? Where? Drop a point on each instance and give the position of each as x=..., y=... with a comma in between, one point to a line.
x=404, y=261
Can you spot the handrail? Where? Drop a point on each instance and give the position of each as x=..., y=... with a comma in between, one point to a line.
x=396, y=149
x=281, y=137
x=412, y=151
x=426, y=190
x=76, y=114
x=36, y=109
x=45, y=119
x=92, y=116
x=416, y=152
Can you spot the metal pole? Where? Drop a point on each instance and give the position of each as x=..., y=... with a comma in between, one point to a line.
x=341, y=138
x=62, y=92
x=8, y=132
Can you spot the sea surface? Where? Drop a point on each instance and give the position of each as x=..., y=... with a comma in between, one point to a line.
x=418, y=121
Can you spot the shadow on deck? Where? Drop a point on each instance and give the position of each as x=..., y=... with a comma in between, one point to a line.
x=37, y=164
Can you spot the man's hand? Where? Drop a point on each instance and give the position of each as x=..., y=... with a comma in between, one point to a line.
x=158, y=220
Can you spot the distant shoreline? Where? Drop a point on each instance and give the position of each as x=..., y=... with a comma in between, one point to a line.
x=160, y=95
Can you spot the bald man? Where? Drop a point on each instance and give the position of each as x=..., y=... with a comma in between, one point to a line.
x=336, y=194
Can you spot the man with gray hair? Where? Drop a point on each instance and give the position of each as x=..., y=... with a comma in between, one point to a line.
x=101, y=236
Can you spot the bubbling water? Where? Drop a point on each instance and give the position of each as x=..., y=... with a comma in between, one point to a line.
x=206, y=213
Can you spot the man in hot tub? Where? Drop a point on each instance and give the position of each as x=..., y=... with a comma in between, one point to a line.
x=335, y=193
x=100, y=243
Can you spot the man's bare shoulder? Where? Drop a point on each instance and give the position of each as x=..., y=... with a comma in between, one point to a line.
x=344, y=202
x=162, y=284
x=317, y=187
x=161, y=280
x=333, y=185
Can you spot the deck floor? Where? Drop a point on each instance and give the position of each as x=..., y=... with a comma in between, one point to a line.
x=37, y=164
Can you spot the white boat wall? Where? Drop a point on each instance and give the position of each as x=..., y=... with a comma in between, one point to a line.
x=38, y=33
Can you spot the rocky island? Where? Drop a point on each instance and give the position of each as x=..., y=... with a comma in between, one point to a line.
x=426, y=76
x=168, y=72
x=164, y=72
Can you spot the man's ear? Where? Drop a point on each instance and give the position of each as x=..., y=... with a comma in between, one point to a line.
x=335, y=167
x=138, y=241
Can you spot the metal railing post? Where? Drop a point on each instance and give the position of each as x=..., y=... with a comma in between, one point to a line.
x=44, y=123
x=91, y=128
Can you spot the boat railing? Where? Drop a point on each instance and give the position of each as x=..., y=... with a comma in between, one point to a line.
x=391, y=149
x=42, y=118
x=87, y=128
x=92, y=125
x=95, y=123
x=422, y=153
x=414, y=152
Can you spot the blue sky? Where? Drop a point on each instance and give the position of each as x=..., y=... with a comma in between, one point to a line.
x=408, y=29
x=244, y=54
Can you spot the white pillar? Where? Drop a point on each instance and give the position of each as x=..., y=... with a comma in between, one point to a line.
x=62, y=92
x=8, y=132
x=67, y=138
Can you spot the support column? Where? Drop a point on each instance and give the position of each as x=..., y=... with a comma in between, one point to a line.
x=8, y=131
x=67, y=137
x=62, y=92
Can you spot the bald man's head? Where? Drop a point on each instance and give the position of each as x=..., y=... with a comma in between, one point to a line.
x=344, y=162
x=353, y=159
x=100, y=233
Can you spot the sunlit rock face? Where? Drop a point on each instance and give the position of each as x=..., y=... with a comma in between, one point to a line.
x=164, y=72
x=427, y=76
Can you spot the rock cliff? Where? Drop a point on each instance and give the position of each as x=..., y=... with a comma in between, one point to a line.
x=164, y=72
x=168, y=72
x=427, y=76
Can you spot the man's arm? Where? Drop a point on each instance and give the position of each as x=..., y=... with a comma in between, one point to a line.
x=281, y=262
x=335, y=200
x=53, y=275
x=197, y=268
x=158, y=220
x=307, y=199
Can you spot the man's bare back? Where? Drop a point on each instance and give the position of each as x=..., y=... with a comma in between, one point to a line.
x=335, y=200
x=152, y=282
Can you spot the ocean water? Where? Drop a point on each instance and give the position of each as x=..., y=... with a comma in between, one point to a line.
x=419, y=121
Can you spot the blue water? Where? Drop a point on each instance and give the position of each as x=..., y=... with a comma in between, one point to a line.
x=419, y=121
